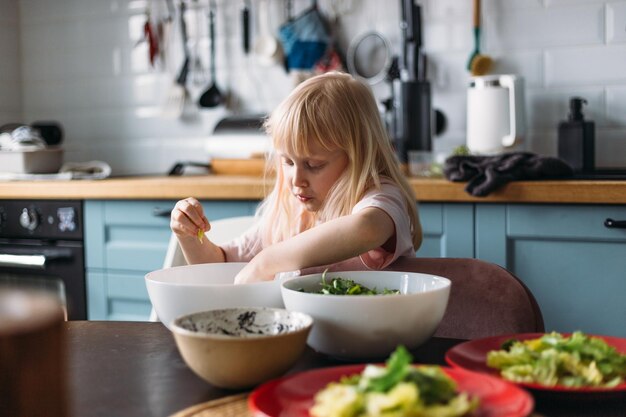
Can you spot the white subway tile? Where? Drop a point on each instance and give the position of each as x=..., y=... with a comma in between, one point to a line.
x=447, y=37
x=81, y=93
x=567, y=3
x=528, y=28
x=10, y=116
x=616, y=22
x=616, y=106
x=446, y=10
x=8, y=12
x=511, y=4
x=610, y=148
x=70, y=10
x=585, y=65
x=88, y=32
x=10, y=53
x=10, y=97
x=528, y=64
x=541, y=141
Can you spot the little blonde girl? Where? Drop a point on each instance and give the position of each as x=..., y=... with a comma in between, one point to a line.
x=338, y=193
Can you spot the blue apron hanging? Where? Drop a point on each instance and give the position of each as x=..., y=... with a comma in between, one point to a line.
x=304, y=40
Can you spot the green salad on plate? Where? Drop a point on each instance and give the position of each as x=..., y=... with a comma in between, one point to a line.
x=553, y=359
x=398, y=389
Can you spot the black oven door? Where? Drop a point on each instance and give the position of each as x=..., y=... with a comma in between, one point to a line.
x=32, y=261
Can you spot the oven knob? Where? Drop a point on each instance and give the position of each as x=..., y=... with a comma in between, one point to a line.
x=29, y=219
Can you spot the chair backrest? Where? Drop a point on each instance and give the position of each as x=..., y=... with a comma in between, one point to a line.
x=221, y=231
x=485, y=299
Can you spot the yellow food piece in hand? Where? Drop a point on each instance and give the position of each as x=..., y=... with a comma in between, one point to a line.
x=200, y=235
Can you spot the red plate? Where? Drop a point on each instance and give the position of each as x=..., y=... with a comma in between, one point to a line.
x=292, y=396
x=472, y=356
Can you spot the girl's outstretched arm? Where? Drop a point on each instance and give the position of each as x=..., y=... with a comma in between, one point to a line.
x=330, y=242
x=189, y=223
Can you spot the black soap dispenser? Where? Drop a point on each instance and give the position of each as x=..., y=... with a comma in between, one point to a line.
x=576, y=143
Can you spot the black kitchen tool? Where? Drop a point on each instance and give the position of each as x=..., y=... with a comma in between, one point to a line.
x=51, y=132
x=245, y=24
x=411, y=38
x=212, y=97
x=412, y=111
x=179, y=167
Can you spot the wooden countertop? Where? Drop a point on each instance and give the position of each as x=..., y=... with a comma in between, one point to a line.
x=230, y=187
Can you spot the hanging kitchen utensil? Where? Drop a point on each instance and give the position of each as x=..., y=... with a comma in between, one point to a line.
x=478, y=64
x=178, y=94
x=212, y=97
x=151, y=36
x=164, y=32
x=197, y=70
x=245, y=25
x=369, y=57
x=266, y=48
x=304, y=39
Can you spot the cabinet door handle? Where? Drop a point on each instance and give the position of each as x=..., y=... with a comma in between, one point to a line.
x=615, y=224
x=159, y=212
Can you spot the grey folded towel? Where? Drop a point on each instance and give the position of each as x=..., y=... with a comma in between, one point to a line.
x=488, y=173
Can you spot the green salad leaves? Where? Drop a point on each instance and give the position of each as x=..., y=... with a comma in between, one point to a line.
x=553, y=359
x=342, y=286
x=397, y=389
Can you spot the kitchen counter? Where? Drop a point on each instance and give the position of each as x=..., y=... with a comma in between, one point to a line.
x=220, y=187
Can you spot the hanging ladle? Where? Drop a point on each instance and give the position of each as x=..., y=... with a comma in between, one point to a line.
x=212, y=97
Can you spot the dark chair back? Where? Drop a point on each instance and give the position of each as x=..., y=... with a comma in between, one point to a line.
x=485, y=299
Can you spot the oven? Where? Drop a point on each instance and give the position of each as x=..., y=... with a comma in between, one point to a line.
x=41, y=243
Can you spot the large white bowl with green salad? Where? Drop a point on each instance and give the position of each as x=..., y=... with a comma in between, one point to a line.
x=367, y=314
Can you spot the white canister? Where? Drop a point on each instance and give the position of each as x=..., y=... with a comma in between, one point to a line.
x=495, y=113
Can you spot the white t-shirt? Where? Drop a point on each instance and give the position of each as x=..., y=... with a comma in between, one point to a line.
x=388, y=198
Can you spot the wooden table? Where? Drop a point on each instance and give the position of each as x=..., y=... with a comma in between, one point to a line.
x=134, y=369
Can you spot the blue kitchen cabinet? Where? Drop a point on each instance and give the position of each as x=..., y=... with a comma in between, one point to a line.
x=573, y=264
x=124, y=240
x=448, y=230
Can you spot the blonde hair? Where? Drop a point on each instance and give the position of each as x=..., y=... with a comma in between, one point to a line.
x=334, y=111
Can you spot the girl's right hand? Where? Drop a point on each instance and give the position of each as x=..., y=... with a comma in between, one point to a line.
x=188, y=218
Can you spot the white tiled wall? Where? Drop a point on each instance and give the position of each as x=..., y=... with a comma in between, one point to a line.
x=79, y=65
x=10, y=94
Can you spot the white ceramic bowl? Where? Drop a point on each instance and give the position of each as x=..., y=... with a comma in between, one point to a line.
x=192, y=288
x=241, y=347
x=370, y=326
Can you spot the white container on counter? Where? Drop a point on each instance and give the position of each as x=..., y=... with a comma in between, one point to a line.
x=36, y=161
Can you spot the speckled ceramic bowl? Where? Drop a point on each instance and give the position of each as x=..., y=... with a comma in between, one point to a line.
x=241, y=347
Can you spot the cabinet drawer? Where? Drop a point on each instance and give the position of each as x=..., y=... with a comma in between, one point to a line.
x=117, y=296
x=566, y=222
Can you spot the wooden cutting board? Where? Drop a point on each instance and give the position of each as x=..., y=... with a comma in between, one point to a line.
x=250, y=166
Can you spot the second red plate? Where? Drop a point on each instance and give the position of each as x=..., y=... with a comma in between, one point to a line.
x=472, y=356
